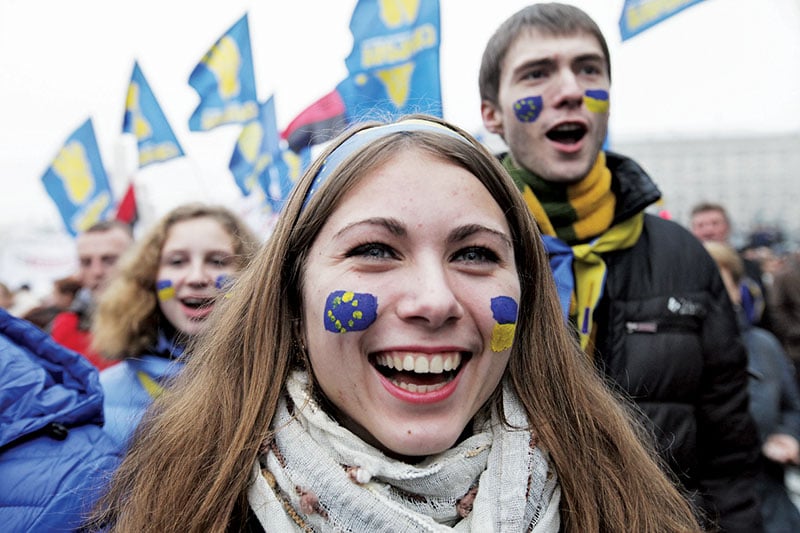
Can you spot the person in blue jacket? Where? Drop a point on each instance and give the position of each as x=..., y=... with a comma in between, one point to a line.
x=54, y=454
x=159, y=300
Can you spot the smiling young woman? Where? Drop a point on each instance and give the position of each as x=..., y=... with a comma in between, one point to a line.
x=160, y=299
x=394, y=359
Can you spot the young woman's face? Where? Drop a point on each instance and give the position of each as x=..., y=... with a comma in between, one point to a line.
x=196, y=260
x=410, y=300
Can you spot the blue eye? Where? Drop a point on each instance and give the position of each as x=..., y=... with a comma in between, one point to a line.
x=476, y=254
x=373, y=250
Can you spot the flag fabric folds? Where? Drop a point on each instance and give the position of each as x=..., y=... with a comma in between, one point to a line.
x=639, y=15
x=225, y=81
x=280, y=177
x=256, y=148
x=393, y=70
x=258, y=159
x=147, y=122
x=320, y=122
x=77, y=182
x=394, y=65
x=126, y=208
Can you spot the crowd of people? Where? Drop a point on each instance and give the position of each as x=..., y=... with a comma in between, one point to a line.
x=433, y=338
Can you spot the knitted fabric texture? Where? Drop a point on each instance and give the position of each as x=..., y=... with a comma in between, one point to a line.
x=576, y=222
x=317, y=476
x=574, y=212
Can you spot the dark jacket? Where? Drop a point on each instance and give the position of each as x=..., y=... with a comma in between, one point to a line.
x=54, y=455
x=667, y=336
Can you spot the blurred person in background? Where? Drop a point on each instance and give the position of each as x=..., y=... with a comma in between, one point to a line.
x=774, y=400
x=784, y=306
x=159, y=301
x=99, y=248
x=58, y=301
x=710, y=223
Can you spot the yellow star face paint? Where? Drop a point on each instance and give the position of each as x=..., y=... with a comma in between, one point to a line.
x=528, y=109
x=350, y=311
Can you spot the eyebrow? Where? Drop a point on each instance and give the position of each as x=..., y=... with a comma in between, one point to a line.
x=549, y=62
x=392, y=225
x=395, y=227
x=464, y=232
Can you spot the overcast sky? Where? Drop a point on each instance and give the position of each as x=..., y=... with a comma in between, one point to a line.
x=722, y=67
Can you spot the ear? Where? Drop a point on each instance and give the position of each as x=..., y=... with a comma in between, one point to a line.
x=492, y=117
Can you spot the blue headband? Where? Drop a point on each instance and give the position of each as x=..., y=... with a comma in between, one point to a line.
x=366, y=136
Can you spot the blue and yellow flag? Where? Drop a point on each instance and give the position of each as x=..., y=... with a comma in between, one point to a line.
x=77, y=181
x=639, y=15
x=225, y=81
x=145, y=119
x=280, y=177
x=256, y=148
x=394, y=65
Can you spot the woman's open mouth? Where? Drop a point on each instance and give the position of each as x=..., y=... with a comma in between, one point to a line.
x=417, y=372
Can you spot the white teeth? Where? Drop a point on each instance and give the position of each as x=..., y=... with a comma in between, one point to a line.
x=568, y=127
x=420, y=364
x=422, y=389
x=436, y=365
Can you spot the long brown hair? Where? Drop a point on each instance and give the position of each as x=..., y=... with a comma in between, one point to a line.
x=190, y=463
x=127, y=316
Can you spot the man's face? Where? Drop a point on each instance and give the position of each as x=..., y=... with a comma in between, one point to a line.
x=710, y=226
x=98, y=252
x=553, y=104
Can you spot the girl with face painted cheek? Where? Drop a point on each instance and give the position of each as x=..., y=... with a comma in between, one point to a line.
x=394, y=359
x=160, y=301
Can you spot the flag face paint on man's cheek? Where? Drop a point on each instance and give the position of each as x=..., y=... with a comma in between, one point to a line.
x=596, y=100
x=504, y=311
x=164, y=290
x=528, y=109
x=350, y=311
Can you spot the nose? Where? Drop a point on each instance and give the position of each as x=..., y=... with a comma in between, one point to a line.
x=569, y=92
x=198, y=274
x=430, y=297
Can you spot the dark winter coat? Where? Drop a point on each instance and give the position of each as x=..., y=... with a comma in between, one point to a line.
x=667, y=336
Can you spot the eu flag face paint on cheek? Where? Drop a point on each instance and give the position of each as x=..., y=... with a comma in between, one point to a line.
x=350, y=311
x=504, y=311
x=596, y=100
x=164, y=290
x=528, y=109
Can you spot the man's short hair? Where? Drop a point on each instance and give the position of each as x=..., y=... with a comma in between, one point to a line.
x=550, y=19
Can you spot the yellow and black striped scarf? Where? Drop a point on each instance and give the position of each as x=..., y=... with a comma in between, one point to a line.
x=577, y=222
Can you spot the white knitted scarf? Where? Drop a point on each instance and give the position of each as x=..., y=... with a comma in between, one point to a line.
x=317, y=476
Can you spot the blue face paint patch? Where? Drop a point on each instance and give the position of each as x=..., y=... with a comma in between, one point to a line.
x=164, y=290
x=504, y=311
x=223, y=282
x=350, y=311
x=527, y=109
x=596, y=100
